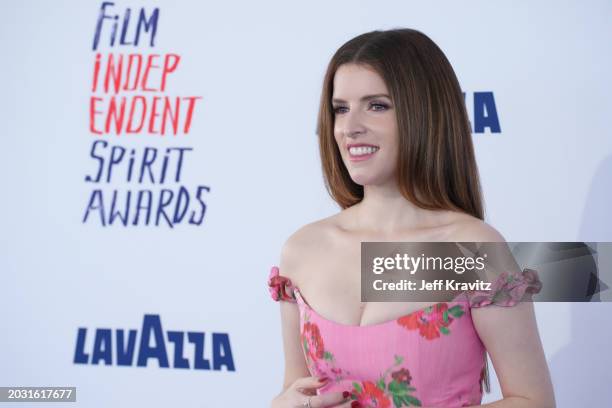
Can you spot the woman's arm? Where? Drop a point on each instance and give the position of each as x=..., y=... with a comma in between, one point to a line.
x=510, y=335
x=299, y=387
x=295, y=363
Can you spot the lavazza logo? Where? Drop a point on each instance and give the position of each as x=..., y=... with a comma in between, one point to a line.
x=119, y=347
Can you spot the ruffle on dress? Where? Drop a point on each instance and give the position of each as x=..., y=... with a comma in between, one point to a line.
x=280, y=287
x=508, y=289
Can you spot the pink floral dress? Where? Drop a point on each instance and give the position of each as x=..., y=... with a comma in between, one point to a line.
x=430, y=357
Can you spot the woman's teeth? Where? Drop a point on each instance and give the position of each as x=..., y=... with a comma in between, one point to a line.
x=362, y=150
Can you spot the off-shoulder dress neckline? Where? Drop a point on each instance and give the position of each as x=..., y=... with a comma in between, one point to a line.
x=302, y=301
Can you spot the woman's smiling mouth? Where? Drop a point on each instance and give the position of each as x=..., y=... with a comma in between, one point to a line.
x=361, y=151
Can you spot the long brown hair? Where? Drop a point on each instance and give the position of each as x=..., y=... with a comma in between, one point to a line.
x=436, y=164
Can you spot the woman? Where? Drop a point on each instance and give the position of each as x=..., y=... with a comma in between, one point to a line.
x=397, y=156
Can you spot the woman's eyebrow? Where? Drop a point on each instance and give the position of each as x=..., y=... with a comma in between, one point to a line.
x=363, y=98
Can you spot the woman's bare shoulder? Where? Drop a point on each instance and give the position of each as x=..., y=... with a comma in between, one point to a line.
x=467, y=228
x=305, y=243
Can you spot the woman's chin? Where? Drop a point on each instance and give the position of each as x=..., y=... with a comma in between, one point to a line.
x=365, y=180
x=370, y=175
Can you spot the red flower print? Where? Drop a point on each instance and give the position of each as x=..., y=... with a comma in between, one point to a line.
x=432, y=320
x=387, y=392
x=312, y=341
x=371, y=396
x=320, y=362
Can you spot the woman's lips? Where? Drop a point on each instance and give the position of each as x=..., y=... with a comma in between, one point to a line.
x=361, y=152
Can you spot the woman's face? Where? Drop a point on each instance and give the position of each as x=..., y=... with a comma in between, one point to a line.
x=365, y=127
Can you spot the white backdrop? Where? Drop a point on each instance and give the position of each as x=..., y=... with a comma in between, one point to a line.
x=258, y=68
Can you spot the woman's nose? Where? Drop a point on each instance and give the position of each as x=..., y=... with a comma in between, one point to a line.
x=352, y=124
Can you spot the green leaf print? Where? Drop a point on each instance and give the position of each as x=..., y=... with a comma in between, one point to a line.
x=328, y=356
x=445, y=316
x=397, y=387
x=410, y=400
x=381, y=384
x=456, y=311
x=357, y=387
x=444, y=330
x=401, y=395
x=398, y=360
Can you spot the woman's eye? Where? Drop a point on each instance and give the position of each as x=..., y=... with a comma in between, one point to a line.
x=379, y=106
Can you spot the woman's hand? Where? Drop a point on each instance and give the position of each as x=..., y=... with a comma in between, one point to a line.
x=303, y=390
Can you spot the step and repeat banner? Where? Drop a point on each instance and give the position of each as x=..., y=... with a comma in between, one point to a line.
x=157, y=154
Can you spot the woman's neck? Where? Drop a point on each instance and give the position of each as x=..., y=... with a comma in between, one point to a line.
x=386, y=211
